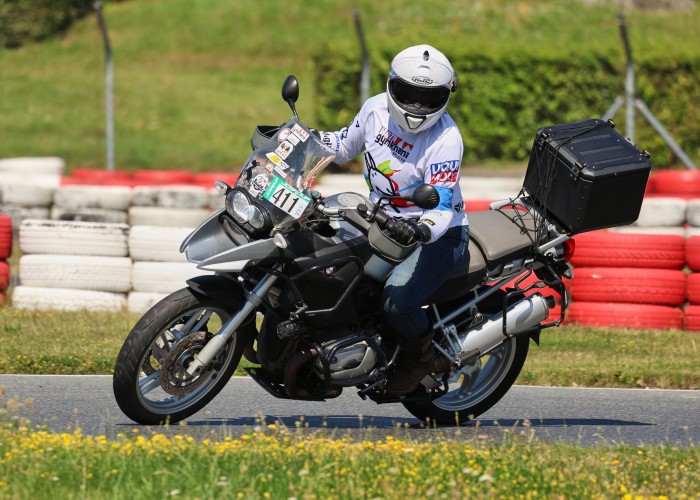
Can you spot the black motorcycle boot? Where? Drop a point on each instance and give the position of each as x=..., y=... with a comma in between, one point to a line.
x=416, y=360
x=441, y=364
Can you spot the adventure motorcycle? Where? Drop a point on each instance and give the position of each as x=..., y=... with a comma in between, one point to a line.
x=297, y=278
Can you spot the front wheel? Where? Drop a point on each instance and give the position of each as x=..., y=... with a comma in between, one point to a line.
x=477, y=386
x=151, y=383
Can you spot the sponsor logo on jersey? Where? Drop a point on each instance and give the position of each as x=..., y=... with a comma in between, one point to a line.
x=400, y=149
x=446, y=171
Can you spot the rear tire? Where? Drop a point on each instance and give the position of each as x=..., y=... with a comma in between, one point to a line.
x=476, y=387
x=155, y=343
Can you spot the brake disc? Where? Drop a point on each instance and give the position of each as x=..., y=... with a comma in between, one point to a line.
x=174, y=378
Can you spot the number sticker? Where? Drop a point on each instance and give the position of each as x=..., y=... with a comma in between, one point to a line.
x=286, y=198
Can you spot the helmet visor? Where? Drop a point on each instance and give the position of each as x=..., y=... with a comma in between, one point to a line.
x=419, y=100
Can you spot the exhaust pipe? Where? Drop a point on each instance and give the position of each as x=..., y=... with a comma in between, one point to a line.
x=520, y=317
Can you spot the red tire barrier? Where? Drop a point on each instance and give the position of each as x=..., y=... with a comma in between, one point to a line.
x=677, y=182
x=161, y=177
x=629, y=285
x=694, y=288
x=207, y=179
x=477, y=205
x=97, y=173
x=624, y=315
x=5, y=236
x=691, y=318
x=4, y=275
x=692, y=252
x=605, y=249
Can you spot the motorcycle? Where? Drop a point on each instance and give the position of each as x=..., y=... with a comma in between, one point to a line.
x=295, y=286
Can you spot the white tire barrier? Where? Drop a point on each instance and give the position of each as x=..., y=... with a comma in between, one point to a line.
x=81, y=272
x=48, y=165
x=157, y=243
x=73, y=238
x=105, y=197
x=25, y=195
x=692, y=213
x=62, y=299
x=19, y=214
x=168, y=217
x=662, y=212
x=216, y=200
x=163, y=277
x=140, y=302
x=88, y=215
x=171, y=196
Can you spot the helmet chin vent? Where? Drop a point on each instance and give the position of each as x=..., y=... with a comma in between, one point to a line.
x=426, y=55
x=414, y=121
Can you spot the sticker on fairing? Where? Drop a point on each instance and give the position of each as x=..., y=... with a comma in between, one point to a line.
x=274, y=158
x=286, y=198
x=294, y=139
x=258, y=185
x=284, y=149
x=283, y=135
x=300, y=132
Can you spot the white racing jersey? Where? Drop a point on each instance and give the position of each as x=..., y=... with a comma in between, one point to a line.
x=396, y=163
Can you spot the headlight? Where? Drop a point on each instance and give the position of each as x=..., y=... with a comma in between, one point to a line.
x=239, y=206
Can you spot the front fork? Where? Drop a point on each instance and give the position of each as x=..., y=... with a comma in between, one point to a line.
x=210, y=351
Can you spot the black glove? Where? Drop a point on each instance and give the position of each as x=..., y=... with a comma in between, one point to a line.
x=406, y=231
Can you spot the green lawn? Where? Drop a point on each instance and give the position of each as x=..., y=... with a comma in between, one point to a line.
x=70, y=343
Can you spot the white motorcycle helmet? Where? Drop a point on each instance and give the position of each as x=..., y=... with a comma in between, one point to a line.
x=419, y=86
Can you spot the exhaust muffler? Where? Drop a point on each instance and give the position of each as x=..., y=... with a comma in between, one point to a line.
x=520, y=317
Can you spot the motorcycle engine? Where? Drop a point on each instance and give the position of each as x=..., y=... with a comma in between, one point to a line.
x=351, y=358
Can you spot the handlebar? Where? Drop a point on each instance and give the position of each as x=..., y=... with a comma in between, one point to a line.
x=398, y=229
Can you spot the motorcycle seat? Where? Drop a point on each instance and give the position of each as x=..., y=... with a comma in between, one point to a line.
x=503, y=234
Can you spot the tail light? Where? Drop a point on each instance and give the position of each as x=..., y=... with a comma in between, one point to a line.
x=569, y=249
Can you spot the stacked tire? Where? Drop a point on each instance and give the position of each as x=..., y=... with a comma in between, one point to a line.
x=169, y=206
x=692, y=261
x=27, y=186
x=628, y=280
x=92, y=203
x=5, y=253
x=158, y=266
x=72, y=266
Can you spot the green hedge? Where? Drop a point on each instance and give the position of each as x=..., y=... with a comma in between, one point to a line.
x=505, y=96
x=23, y=21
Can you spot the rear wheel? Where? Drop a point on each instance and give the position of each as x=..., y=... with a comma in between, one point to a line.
x=151, y=383
x=477, y=386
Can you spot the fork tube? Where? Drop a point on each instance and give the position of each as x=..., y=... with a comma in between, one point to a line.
x=218, y=341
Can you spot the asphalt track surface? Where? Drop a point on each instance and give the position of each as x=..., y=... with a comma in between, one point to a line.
x=576, y=415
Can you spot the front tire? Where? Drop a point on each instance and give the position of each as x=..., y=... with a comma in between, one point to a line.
x=475, y=387
x=150, y=382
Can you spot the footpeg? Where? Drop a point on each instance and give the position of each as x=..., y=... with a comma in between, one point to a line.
x=290, y=328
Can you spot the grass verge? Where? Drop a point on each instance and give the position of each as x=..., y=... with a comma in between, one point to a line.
x=88, y=343
x=275, y=462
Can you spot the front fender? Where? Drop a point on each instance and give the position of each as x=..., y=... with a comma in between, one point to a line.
x=222, y=289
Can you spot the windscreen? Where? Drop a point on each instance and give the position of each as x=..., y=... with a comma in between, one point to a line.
x=278, y=175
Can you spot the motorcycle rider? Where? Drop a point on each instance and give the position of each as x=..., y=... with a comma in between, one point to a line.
x=408, y=138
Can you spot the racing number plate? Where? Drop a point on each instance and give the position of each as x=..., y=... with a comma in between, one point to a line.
x=286, y=198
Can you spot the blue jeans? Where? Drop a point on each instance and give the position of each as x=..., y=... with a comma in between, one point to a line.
x=417, y=278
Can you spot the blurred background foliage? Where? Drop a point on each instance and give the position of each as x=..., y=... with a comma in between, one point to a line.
x=25, y=21
x=193, y=78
